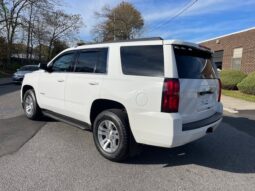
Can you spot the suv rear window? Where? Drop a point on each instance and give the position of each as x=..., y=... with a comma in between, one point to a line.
x=193, y=63
x=142, y=60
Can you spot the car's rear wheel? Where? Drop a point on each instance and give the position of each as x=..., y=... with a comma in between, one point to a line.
x=111, y=134
x=31, y=108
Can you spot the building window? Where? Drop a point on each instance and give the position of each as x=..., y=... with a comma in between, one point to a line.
x=218, y=58
x=237, y=58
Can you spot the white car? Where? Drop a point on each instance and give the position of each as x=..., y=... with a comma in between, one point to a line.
x=18, y=76
x=157, y=92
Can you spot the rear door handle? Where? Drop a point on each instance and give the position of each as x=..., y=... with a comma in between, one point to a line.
x=60, y=80
x=93, y=83
x=205, y=92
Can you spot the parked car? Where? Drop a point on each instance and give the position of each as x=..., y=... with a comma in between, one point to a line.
x=157, y=92
x=19, y=75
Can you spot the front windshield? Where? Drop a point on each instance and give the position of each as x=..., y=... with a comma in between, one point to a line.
x=28, y=68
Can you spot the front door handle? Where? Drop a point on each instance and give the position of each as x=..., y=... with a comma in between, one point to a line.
x=60, y=80
x=93, y=83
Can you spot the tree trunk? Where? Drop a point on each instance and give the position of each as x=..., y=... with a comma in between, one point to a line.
x=40, y=52
x=49, y=50
x=9, y=53
x=29, y=33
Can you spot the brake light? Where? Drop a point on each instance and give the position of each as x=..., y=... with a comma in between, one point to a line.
x=170, y=96
x=219, y=92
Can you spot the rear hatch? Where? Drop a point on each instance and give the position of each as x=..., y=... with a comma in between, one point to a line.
x=199, y=86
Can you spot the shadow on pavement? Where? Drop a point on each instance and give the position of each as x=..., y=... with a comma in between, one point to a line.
x=15, y=132
x=227, y=149
x=9, y=88
x=242, y=123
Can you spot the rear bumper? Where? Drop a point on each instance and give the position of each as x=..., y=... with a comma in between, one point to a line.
x=202, y=123
x=191, y=135
x=167, y=130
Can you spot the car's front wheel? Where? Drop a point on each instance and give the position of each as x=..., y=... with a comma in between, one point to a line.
x=111, y=134
x=31, y=108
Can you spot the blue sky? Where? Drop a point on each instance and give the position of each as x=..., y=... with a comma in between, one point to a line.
x=205, y=19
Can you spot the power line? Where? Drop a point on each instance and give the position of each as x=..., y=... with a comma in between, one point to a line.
x=189, y=5
x=186, y=7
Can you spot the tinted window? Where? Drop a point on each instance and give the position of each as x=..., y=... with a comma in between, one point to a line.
x=34, y=68
x=63, y=63
x=24, y=68
x=92, y=61
x=193, y=63
x=142, y=60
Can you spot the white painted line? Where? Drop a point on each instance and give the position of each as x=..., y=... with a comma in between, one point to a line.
x=230, y=110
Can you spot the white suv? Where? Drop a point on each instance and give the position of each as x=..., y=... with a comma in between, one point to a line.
x=157, y=92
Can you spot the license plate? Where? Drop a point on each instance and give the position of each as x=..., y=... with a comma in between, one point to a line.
x=204, y=102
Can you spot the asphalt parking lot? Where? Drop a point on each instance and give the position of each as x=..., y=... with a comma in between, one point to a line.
x=51, y=155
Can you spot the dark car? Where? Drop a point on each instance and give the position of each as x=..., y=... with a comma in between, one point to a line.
x=19, y=75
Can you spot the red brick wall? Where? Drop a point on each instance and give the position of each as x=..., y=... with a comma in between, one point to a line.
x=246, y=40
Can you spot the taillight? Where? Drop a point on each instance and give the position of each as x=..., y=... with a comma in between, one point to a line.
x=219, y=91
x=170, y=96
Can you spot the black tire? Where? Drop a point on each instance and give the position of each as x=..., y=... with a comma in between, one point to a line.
x=119, y=119
x=35, y=110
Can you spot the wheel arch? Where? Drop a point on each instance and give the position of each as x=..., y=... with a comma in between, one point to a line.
x=25, y=88
x=100, y=105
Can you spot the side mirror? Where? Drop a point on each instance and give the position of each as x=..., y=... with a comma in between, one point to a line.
x=43, y=67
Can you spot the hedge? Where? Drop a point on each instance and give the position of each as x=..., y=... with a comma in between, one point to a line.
x=230, y=78
x=247, y=85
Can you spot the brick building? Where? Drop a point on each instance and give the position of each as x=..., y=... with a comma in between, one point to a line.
x=234, y=51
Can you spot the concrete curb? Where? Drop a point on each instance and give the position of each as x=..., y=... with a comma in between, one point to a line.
x=230, y=110
x=234, y=105
x=5, y=81
x=5, y=84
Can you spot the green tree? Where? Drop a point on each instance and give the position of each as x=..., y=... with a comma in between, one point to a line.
x=10, y=15
x=80, y=43
x=41, y=53
x=120, y=23
x=58, y=46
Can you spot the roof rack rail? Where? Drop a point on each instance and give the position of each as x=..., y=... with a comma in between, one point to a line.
x=131, y=40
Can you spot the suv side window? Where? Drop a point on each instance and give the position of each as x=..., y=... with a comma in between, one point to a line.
x=142, y=60
x=92, y=61
x=63, y=63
